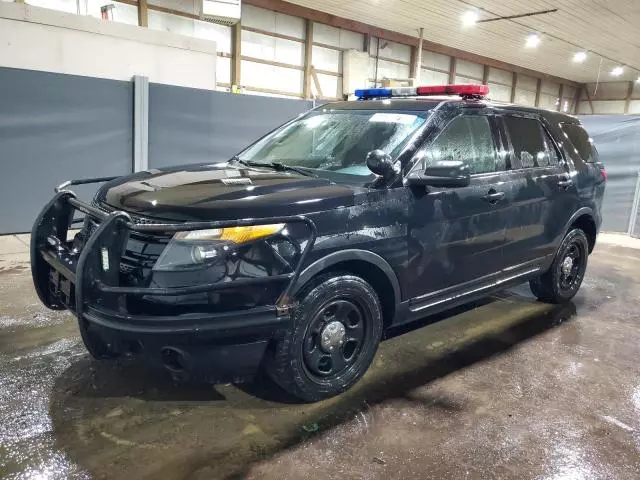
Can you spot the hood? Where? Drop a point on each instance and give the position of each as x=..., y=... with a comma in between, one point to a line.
x=225, y=191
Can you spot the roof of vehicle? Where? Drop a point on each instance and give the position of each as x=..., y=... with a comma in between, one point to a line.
x=428, y=103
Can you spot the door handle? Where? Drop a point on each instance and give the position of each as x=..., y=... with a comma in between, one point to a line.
x=565, y=181
x=493, y=196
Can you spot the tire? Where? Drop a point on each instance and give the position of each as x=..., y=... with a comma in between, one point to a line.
x=317, y=358
x=562, y=281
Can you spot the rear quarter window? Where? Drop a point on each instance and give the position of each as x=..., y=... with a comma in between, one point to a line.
x=581, y=144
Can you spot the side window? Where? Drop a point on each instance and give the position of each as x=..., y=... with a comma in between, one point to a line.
x=553, y=157
x=466, y=138
x=529, y=149
x=582, y=144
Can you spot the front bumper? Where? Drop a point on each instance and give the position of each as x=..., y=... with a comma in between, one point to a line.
x=78, y=281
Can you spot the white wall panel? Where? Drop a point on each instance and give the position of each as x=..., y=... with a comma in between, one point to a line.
x=270, y=77
x=435, y=61
x=217, y=33
x=395, y=51
x=189, y=27
x=469, y=69
x=326, y=59
x=326, y=34
x=122, y=12
x=351, y=40
x=634, y=107
x=550, y=88
x=608, y=90
x=605, y=107
x=500, y=76
x=331, y=86
x=500, y=93
x=40, y=39
x=388, y=70
x=337, y=37
x=262, y=19
x=525, y=82
x=187, y=6
x=291, y=26
x=429, y=77
x=548, y=101
x=525, y=97
x=68, y=6
x=462, y=79
x=275, y=49
x=223, y=70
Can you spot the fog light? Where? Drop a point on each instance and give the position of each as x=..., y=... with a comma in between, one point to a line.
x=105, y=259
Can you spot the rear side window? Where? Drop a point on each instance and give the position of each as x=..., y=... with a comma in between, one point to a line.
x=582, y=144
x=466, y=138
x=532, y=147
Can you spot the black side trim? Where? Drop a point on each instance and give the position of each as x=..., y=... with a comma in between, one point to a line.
x=349, y=255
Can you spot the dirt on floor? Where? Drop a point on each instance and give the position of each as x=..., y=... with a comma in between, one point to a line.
x=508, y=388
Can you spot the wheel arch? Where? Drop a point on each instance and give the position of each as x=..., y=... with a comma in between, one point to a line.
x=584, y=219
x=368, y=265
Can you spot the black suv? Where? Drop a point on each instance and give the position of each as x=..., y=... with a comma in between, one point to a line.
x=296, y=255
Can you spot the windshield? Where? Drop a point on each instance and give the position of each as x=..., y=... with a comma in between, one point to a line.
x=336, y=140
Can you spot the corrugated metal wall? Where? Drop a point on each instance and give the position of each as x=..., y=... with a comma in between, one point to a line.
x=55, y=127
x=187, y=125
x=617, y=139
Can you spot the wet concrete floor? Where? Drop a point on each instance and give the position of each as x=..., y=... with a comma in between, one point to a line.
x=507, y=389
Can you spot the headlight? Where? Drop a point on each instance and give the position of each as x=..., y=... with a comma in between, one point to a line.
x=197, y=247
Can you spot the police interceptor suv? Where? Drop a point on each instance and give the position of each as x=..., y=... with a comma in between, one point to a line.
x=295, y=256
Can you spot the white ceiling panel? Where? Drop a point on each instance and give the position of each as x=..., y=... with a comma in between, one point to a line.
x=609, y=27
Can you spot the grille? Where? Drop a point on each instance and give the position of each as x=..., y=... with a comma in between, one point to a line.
x=142, y=250
x=137, y=219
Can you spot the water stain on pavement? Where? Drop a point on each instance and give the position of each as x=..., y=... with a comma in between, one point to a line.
x=509, y=386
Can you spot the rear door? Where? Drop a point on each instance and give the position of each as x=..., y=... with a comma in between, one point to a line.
x=541, y=192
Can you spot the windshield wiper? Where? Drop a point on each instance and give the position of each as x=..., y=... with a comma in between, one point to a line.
x=281, y=167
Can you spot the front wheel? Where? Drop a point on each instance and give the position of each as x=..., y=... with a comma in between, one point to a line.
x=561, y=282
x=336, y=330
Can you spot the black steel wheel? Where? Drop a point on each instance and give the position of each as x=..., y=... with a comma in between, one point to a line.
x=334, y=338
x=562, y=281
x=336, y=330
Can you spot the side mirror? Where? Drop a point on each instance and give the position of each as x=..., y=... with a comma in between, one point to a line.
x=445, y=173
x=380, y=163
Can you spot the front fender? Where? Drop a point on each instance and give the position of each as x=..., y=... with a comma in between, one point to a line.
x=344, y=256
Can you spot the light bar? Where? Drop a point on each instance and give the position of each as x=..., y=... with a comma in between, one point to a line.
x=470, y=89
x=462, y=90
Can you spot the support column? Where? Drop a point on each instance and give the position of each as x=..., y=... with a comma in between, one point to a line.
x=308, y=52
x=143, y=13
x=140, y=123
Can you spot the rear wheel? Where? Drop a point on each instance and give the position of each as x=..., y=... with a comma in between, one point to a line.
x=562, y=281
x=335, y=334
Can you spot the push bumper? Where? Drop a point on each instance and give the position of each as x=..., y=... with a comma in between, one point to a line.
x=229, y=344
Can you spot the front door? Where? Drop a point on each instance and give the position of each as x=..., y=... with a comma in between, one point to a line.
x=456, y=235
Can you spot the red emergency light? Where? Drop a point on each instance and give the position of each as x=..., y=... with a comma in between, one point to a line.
x=463, y=90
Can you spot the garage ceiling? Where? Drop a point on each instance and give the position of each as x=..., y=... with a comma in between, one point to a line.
x=609, y=27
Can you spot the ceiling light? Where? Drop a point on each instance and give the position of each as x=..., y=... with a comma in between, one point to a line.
x=580, y=57
x=617, y=71
x=638, y=80
x=469, y=18
x=533, y=41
